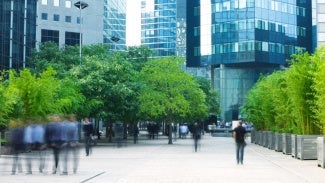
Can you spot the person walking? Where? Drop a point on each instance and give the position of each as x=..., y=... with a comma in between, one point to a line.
x=88, y=129
x=239, y=135
x=196, y=130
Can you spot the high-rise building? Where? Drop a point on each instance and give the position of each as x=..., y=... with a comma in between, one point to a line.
x=242, y=39
x=319, y=20
x=158, y=26
x=61, y=21
x=17, y=32
x=115, y=24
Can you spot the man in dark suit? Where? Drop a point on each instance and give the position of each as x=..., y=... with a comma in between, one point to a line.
x=239, y=134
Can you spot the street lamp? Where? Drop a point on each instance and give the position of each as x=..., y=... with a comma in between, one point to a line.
x=81, y=5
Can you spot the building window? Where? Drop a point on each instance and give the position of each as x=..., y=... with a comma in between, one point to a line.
x=78, y=20
x=44, y=16
x=72, y=38
x=68, y=4
x=56, y=17
x=50, y=35
x=68, y=19
x=56, y=2
x=44, y=2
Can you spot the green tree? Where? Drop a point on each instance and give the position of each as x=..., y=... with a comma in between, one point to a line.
x=299, y=80
x=170, y=93
x=319, y=87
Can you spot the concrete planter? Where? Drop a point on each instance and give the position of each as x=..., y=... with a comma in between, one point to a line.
x=257, y=137
x=278, y=142
x=294, y=146
x=286, y=143
x=307, y=146
x=271, y=140
x=321, y=152
x=265, y=139
x=253, y=135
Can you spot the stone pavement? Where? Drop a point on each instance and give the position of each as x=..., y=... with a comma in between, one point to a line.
x=154, y=161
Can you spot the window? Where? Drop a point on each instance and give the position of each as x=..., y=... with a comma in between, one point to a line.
x=44, y=16
x=49, y=35
x=68, y=4
x=68, y=19
x=44, y=2
x=72, y=38
x=78, y=20
x=56, y=17
x=56, y=2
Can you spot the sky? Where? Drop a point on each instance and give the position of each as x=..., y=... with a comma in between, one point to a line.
x=133, y=23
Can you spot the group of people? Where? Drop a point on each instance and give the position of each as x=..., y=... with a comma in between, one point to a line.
x=60, y=135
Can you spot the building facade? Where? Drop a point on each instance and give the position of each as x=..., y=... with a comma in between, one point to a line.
x=17, y=32
x=115, y=24
x=158, y=26
x=61, y=21
x=242, y=39
x=319, y=13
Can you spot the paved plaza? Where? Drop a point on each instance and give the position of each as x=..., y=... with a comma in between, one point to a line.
x=154, y=161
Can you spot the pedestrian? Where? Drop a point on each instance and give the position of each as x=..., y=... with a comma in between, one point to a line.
x=239, y=134
x=135, y=133
x=17, y=146
x=38, y=139
x=55, y=138
x=196, y=131
x=88, y=129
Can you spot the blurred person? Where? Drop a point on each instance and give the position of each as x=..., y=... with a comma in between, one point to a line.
x=135, y=133
x=88, y=129
x=239, y=134
x=54, y=138
x=17, y=146
x=196, y=131
x=183, y=130
x=38, y=143
x=72, y=148
x=119, y=133
x=28, y=130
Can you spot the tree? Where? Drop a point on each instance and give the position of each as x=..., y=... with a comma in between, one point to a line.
x=170, y=93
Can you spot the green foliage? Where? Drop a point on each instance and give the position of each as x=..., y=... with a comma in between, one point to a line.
x=169, y=92
x=319, y=87
x=289, y=100
x=212, y=96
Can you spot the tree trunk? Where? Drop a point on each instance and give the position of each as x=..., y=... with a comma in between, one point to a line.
x=170, y=133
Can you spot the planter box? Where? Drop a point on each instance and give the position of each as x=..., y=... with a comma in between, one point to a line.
x=253, y=135
x=271, y=140
x=321, y=152
x=257, y=137
x=278, y=142
x=307, y=146
x=265, y=139
x=286, y=143
x=294, y=146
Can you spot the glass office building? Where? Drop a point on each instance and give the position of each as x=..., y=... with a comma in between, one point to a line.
x=158, y=26
x=17, y=32
x=115, y=24
x=242, y=39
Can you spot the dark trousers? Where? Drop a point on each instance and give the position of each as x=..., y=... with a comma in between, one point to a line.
x=88, y=141
x=240, y=152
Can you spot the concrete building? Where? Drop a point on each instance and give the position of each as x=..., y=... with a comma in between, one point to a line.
x=61, y=21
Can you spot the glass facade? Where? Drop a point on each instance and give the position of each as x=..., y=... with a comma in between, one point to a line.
x=17, y=32
x=115, y=23
x=158, y=26
x=241, y=39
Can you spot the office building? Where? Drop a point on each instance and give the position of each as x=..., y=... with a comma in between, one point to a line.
x=242, y=39
x=158, y=26
x=17, y=32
